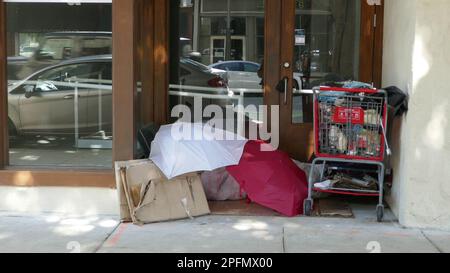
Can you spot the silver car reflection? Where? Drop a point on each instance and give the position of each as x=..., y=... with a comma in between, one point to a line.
x=77, y=95
x=58, y=99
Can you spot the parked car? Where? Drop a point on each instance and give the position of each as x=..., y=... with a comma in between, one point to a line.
x=27, y=51
x=244, y=74
x=240, y=74
x=15, y=64
x=44, y=102
x=61, y=46
x=193, y=73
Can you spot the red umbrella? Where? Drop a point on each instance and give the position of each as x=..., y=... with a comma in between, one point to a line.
x=271, y=179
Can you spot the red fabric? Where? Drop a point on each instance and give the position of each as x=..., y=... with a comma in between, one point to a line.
x=271, y=179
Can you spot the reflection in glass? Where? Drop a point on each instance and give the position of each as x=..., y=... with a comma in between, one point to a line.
x=220, y=48
x=60, y=84
x=327, y=41
x=326, y=48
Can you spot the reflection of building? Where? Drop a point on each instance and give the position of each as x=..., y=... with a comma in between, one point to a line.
x=223, y=30
x=24, y=30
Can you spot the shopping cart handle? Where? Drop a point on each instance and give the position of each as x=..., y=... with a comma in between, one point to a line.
x=349, y=90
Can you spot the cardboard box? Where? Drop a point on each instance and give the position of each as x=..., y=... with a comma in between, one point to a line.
x=146, y=196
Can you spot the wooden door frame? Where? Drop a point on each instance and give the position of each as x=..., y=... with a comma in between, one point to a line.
x=371, y=55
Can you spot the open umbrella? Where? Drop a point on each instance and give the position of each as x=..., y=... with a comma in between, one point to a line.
x=271, y=179
x=183, y=148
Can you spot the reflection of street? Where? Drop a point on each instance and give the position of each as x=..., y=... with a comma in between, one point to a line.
x=58, y=151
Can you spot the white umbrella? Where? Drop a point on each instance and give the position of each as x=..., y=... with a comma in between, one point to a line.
x=183, y=148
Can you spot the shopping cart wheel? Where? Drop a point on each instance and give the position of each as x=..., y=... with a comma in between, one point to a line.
x=380, y=213
x=307, y=207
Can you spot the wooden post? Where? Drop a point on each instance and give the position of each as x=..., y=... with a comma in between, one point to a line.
x=161, y=60
x=124, y=79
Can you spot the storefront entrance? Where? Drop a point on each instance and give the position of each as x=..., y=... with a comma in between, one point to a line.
x=268, y=53
x=169, y=53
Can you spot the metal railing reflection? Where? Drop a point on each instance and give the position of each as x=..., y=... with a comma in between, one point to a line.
x=207, y=93
x=230, y=94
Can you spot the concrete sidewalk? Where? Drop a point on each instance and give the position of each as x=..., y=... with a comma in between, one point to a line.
x=104, y=234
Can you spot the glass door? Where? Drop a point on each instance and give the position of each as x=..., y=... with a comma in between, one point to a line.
x=265, y=56
x=321, y=44
x=217, y=51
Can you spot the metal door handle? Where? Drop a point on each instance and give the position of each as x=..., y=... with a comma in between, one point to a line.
x=286, y=85
x=282, y=87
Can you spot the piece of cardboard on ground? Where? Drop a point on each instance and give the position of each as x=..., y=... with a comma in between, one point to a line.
x=240, y=208
x=146, y=196
x=332, y=207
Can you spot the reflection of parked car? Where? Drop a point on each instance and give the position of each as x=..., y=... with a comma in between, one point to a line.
x=193, y=73
x=197, y=78
x=27, y=51
x=14, y=65
x=244, y=74
x=44, y=101
x=241, y=74
x=60, y=46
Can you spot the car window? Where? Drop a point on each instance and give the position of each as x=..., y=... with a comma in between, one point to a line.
x=234, y=67
x=195, y=65
x=96, y=46
x=184, y=72
x=220, y=66
x=249, y=67
x=63, y=78
x=103, y=72
x=56, y=49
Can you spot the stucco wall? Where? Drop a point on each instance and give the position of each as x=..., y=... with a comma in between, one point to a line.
x=417, y=59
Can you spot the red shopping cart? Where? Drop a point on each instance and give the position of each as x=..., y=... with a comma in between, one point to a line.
x=350, y=129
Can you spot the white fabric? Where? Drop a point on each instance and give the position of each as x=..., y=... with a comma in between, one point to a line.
x=199, y=150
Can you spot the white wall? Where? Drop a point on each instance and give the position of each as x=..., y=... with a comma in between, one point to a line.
x=417, y=59
x=397, y=70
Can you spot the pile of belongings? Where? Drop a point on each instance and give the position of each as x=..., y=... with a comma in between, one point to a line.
x=220, y=185
x=183, y=148
x=190, y=163
x=271, y=179
x=343, y=181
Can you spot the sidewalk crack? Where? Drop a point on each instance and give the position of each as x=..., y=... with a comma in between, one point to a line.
x=100, y=246
x=432, y=243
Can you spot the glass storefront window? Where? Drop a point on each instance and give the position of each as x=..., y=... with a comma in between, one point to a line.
x=60, y=84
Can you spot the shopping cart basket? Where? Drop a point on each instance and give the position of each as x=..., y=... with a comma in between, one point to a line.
x=350, y=128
